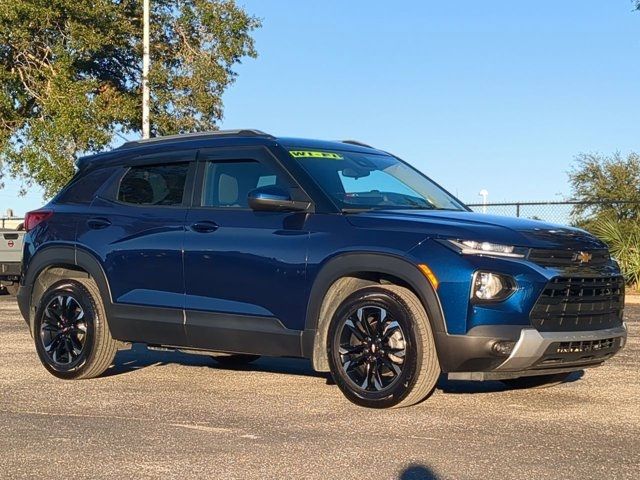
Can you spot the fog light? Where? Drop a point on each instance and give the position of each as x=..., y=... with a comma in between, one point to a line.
x=503, y=348
x=491, y=287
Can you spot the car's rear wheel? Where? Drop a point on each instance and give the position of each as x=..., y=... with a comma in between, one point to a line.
x=234, y=359
x=381, y=349
x=71, y=333
x=537, y=381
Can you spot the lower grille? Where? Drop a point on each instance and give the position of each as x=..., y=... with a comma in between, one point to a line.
x=576, y=304
x=585, y=346
x=579, y=353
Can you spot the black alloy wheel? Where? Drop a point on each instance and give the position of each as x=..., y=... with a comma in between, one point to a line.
x=372, y=348
x=64, y=330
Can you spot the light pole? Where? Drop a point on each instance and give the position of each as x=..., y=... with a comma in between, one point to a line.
x=146, y=129
x=484, y=194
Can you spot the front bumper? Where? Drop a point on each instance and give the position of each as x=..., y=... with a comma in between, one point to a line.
x=539, y=353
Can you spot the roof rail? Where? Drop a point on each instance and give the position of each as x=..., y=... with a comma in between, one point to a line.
x=247, y=132
x=356, y=142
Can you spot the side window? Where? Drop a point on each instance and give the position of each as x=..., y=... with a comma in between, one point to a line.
x=228, y=183
x=83, y=187
x=154, y=184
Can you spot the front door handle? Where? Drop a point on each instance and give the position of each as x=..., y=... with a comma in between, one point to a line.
x=98, y=223
x=204, y=227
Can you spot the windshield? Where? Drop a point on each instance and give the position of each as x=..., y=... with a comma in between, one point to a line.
x=359, y=181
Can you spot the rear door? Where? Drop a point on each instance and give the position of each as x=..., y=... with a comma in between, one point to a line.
x=244, y=271
x=136, y=228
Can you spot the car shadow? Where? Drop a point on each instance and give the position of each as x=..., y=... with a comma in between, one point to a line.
x=467, y=386
x=139, y=357
x=418, y=472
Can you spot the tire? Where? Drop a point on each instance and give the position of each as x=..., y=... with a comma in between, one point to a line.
x=234, y=359
x=72, y=311
x=538, y=381
x=381, y=349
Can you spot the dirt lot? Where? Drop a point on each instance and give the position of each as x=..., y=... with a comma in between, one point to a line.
x=169, y=415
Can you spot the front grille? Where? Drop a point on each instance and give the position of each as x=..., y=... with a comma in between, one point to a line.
x=575, y=304
x=567, y=258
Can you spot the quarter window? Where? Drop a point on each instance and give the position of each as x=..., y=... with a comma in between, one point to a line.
x=227, y=184
x=154, y=185
x=83, y=187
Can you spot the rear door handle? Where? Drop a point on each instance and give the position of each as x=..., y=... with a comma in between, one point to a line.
x=98, y=223
x=204, y=227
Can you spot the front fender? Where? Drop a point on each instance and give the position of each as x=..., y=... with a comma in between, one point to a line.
x=319, y=315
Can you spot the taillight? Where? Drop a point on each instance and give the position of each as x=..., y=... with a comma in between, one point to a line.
x=33, y=219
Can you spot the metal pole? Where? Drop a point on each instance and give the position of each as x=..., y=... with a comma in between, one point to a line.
x=146, y=129
x=484, y=194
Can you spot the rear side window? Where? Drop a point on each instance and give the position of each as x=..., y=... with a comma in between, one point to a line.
x=154, y=185
x=83, y=188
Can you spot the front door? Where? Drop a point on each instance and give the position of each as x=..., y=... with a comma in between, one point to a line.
x=244, y=270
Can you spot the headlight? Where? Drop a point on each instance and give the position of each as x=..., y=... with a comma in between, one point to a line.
x=491, y=287
x=471, y=247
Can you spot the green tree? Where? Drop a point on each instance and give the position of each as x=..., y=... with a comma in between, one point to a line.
x=70, y=76
x=610, y=185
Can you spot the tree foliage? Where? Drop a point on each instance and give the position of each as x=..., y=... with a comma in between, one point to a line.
x=70, y=75
x=624, y=243
x=611, y=185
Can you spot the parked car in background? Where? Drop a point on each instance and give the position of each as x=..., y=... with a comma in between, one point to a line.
x=11, y=241
x=245, y=244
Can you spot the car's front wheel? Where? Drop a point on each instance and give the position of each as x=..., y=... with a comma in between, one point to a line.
x=381, y=349
x=71, y=333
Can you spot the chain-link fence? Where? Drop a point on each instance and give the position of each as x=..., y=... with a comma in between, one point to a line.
x=554, y=212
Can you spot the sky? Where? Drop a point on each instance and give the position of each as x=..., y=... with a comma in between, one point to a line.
x=498, y=95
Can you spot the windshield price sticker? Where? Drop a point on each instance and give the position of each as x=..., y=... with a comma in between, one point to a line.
x=315, y=154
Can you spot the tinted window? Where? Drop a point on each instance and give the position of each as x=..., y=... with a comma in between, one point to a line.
x=227, y=184
x=83, y=187
x=154, y=184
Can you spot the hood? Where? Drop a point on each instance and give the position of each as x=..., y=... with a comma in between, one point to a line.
x=480, y=227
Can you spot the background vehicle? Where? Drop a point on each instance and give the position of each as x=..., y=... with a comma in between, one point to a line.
x=246, y=244
x=10, y=257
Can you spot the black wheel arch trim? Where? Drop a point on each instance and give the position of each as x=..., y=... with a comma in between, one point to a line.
x=61, y=256
x=349, y=264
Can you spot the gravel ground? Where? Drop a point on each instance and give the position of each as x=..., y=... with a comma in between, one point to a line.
x=157, y=415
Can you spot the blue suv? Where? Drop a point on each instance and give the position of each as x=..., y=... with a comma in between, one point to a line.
x=238, y=244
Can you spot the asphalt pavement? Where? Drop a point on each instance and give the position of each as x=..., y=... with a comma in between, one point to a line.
x=165, y=415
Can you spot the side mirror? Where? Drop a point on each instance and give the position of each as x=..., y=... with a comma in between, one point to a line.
x=274, y=199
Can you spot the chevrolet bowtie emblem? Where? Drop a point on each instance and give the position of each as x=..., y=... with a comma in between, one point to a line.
x=584, y=257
